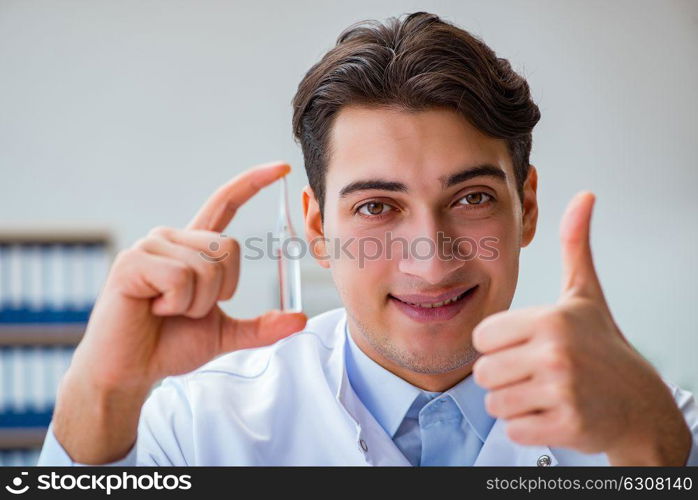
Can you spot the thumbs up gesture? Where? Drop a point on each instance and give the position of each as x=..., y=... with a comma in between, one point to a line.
x=565, y=376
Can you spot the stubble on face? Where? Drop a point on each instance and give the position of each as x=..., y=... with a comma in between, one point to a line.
x=419, y=362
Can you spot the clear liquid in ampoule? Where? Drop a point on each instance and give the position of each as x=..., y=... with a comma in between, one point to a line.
x=288, y=252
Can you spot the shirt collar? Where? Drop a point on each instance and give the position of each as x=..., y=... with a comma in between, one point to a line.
x=388, y=397
x=470, y=398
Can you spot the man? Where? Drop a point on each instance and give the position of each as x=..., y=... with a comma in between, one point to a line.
x=414, y=135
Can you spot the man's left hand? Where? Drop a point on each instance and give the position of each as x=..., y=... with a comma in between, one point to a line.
x=565, y=376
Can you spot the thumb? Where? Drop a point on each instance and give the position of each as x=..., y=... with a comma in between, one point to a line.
x=260, y=331
x=578, y=272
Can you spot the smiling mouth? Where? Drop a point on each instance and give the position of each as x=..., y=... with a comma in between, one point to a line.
x=435, y=305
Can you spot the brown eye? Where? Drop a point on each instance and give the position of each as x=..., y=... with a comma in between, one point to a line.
x=475, y=198
x=373, y=208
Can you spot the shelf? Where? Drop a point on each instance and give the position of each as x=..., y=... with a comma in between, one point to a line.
x=56, y=234
x=22, y=437
x=41, y=334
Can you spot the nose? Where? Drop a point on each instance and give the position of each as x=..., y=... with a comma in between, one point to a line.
x=429, y=254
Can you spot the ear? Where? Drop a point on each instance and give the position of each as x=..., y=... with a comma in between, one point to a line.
x=530, y=207
x=314, y=232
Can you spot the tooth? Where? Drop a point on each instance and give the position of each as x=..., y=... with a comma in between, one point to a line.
x=437, y=304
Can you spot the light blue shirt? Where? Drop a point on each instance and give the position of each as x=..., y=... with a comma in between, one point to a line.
x=430, y=428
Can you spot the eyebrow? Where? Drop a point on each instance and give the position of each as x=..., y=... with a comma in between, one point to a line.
x=485, y=170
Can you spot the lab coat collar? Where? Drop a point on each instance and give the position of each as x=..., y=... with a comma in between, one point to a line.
x=372, y=441
x=386, y=395
x=378, y=448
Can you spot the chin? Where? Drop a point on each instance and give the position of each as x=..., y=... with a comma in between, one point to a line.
x=433, y=338
x=431, y=357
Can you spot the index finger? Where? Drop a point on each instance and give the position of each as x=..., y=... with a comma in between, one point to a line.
x=506, y=329
x=220, y=208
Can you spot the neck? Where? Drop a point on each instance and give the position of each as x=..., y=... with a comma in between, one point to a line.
x=432, y=382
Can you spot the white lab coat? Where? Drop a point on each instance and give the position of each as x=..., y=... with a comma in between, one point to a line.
x=291, y=404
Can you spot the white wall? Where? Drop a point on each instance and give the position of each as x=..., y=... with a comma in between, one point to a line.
x=129, y=113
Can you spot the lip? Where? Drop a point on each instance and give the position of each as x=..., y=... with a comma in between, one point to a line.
x=442, y=313
x=431, y=299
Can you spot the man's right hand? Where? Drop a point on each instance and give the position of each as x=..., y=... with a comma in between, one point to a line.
x=157, y=315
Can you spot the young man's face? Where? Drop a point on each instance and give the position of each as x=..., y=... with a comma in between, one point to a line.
x=404, y=177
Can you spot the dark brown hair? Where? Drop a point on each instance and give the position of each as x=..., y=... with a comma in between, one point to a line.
x=414, y=64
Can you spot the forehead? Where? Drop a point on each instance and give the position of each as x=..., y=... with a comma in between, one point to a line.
x=412, y=145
